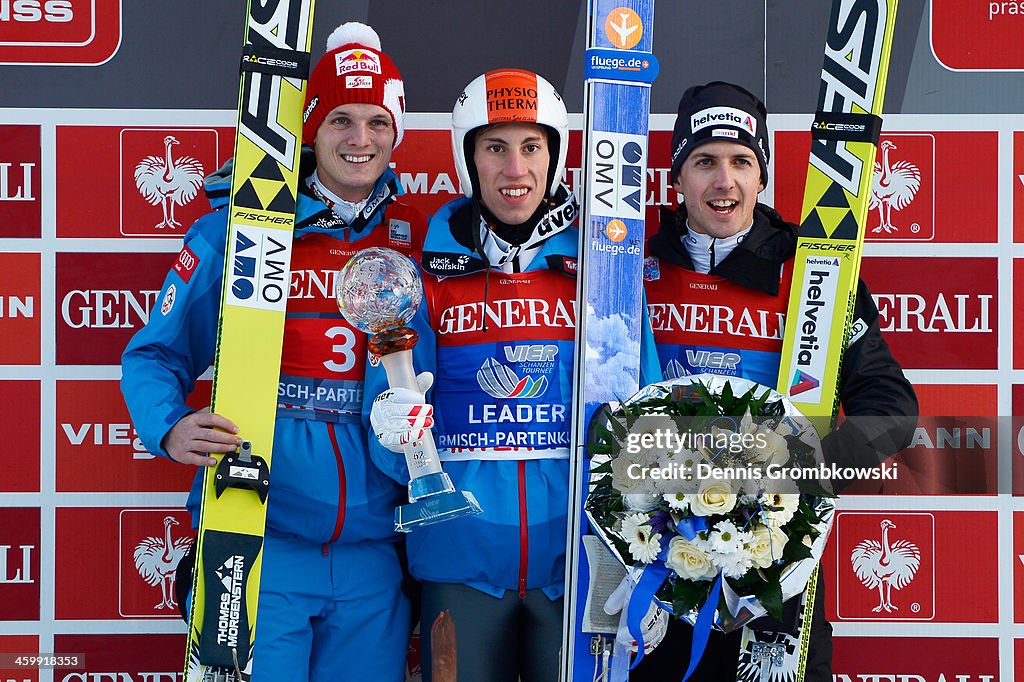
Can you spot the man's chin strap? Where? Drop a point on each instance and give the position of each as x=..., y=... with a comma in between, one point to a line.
x=354, y=215
x=346, y=210
x=562, y=209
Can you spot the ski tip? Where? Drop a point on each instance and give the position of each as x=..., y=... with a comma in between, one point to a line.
x=353, y=32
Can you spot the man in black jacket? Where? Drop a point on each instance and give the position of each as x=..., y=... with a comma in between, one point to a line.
x=717, y=280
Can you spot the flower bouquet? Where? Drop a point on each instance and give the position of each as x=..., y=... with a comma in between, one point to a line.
x=701, y=482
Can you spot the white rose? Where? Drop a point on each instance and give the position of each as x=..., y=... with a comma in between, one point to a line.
x=714, y=497
x=624, y=479
x=772, y=447
x=688, y=561
x=641, y=502
x=766, y=546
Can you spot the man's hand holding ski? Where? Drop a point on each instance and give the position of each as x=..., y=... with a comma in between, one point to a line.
x=199, y=433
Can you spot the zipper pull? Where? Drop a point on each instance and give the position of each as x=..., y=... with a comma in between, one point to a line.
x=522, y=588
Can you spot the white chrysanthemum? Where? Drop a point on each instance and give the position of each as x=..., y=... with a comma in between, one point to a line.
x=644, y=545
x=677, y=501
x=784, y=507
x=689, y=561
x=726, y=538
x=734, y=564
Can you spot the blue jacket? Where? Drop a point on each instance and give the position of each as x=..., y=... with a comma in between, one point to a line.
x=501, y=348
x=323, y=485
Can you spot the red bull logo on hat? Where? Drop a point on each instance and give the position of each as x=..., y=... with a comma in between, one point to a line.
x=356, y=60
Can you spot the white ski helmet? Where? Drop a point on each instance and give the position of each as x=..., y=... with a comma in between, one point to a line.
x=508, y=96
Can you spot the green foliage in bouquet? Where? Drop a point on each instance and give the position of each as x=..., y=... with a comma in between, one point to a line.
x=749, y=530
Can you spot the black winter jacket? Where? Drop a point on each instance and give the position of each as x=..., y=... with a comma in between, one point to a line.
x=877, y=399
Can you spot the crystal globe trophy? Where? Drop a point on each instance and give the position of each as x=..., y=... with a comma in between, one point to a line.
x=378, y=291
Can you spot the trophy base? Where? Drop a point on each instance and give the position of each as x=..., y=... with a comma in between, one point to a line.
x=434, y=499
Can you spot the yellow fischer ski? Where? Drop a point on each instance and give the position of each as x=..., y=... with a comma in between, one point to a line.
x=831, y=241
x=835, y=205
x=274, y=68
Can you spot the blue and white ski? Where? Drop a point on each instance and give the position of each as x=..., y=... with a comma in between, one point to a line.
x=619, y=69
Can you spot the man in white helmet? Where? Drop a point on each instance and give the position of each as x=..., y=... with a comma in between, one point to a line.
x=330, y=605
x=497, y=330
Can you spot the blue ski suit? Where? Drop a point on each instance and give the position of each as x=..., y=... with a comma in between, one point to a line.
x=501, y=346
x=330, y=586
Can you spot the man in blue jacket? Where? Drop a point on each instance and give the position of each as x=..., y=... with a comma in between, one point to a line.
x=497, y=330
x=330, y=606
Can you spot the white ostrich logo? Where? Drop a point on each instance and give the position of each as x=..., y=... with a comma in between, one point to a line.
x=886, y=566
x=168, y=181
x=894, y=186
x=157, y=558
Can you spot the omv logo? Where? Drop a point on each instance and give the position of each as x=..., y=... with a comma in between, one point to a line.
x=501, y=381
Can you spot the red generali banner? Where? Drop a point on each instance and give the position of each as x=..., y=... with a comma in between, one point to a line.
x=143, y=182
x=977, y=36
x=919, y=191
x=19, y=308
x=119, y=563
x=19, y=563
x=903, y=566
x=98, y=449
x=101, y=300
x=1018, y=570
x=20, y=182
x=22, y=645
x=1018, y=314
x=73, y=32
x=139, y=658
x=915, y=659
x=932, y=320
x=1018, y=186
x=954, y=450
x=19, y=424
x=1018, y=439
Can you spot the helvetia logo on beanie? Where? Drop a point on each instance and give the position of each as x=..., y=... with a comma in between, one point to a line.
x=724, y=115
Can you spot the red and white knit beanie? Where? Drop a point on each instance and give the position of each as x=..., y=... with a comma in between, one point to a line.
x=353, y=70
